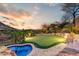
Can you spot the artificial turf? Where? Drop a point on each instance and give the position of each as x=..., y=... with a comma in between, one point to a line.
x=45, y=41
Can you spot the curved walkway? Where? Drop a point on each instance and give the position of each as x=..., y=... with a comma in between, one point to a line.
x=47, y=52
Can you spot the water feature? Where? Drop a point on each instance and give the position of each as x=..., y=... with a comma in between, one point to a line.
x=21, y=50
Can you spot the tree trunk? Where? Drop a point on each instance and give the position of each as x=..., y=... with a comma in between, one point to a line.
x=74, y=23
x=74, y=20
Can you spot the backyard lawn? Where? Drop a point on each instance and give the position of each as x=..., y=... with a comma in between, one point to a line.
x=45, y=41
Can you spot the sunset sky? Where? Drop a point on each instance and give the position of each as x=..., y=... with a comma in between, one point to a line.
x=29, y=16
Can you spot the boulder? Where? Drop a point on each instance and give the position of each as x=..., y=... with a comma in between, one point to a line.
x=4, y=51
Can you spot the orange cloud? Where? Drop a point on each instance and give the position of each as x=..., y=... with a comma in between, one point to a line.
x=17, y=15
x=18, y=18
x=11, y=12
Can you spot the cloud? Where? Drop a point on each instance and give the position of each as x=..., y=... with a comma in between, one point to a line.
x=35, y=10
x=11, y=12
x=52, y=4
x=36, y=7
x=20, y=25
x=18, y=18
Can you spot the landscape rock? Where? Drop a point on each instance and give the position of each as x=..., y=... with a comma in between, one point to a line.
x=4, y=51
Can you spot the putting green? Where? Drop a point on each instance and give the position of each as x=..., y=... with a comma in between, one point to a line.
x=45, y=41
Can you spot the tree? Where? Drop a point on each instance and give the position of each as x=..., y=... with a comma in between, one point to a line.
x=53, y=27
x=30, y=33
x=72, y=10
x=18, y=35
x=66, y=19
x=45, y=28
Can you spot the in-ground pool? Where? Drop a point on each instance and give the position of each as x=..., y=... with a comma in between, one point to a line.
x=21, y=50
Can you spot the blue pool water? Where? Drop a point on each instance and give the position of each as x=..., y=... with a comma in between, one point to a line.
x=21, y=50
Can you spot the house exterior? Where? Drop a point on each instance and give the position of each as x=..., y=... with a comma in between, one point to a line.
x=5, y=27
x=5, y=38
